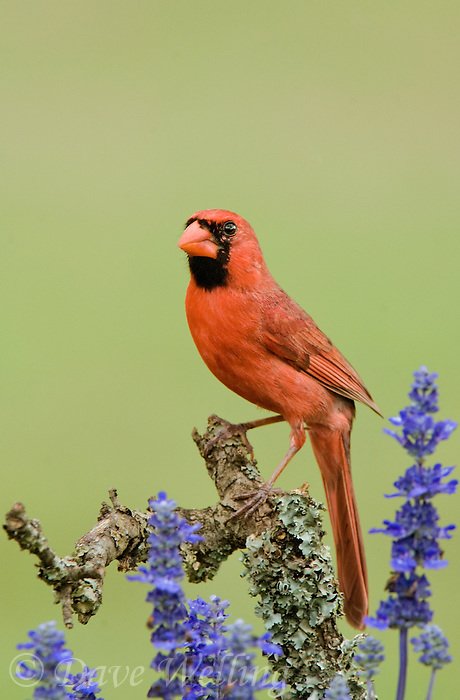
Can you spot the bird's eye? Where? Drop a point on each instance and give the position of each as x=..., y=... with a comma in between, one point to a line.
x=229, y=228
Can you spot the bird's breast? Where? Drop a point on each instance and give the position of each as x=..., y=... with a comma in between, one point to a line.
x=226, y=328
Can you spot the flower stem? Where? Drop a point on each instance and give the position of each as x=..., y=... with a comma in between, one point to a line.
x=430, y=687
x=370, y=690
x=402, y=663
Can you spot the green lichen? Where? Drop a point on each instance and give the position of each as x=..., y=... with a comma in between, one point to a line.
x=291, y=573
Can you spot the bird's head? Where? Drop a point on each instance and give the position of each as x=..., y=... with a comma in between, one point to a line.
x=221, y=247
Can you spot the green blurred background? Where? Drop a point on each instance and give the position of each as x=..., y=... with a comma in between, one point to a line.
x=333, y=127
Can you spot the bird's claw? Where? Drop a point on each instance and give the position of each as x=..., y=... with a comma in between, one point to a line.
x=255, y=500
x=227, y=431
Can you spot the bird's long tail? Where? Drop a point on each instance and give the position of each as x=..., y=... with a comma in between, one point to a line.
x=332, y=452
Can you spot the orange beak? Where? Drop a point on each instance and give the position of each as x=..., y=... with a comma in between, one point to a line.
x=197, y=241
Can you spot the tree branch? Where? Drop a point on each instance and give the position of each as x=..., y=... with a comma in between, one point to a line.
x=77, y=579
x=289, y=568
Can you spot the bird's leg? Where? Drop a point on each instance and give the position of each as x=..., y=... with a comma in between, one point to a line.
x=261, y=421
x=230, y=429
x=258, y=498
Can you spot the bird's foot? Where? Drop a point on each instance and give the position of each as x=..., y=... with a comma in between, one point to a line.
x=254, y=499
x=229, y=430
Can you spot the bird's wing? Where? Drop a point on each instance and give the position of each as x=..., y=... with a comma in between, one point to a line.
x=291, y=334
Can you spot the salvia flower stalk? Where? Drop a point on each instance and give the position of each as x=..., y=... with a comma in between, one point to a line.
x=84, y=685
x=198, y=654
x=433, y=647
x=338, y=689
x=47, y=667
x=415, y=531
x=368, y=657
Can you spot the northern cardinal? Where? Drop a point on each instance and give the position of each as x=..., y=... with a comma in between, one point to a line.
x=266, y=348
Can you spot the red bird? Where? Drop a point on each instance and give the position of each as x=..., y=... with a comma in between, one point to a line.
x=266, y=348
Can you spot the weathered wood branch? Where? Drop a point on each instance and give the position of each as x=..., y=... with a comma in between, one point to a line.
x=121, y=533
x=289, y=568
x=77, y=580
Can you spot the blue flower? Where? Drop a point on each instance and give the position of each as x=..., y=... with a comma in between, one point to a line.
x=424, y=391
x=416, y=534
x=243, y=679
x=206, y=646
x=83, y=685
x=199, y=656
x=338, y=689
x=399, y=613
x=407, y=606
x=49, y=658
x=268, y=647
x=369, y=657
x=415, y=530
x=423, y=481
x=164, y=573
x=48, y=651
x=433, y=647
x=420, y=433
x=221, y=657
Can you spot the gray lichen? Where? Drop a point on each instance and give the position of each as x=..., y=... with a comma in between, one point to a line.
x=291, y=573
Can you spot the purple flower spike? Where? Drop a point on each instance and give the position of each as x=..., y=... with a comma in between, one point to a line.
x=415, y=530
x=433, y=647
x=338, y=689
x=48, y=659
x=84, y=686
x=199, y=655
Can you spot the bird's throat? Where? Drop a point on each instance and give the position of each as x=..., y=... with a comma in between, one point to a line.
x=208, y=273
